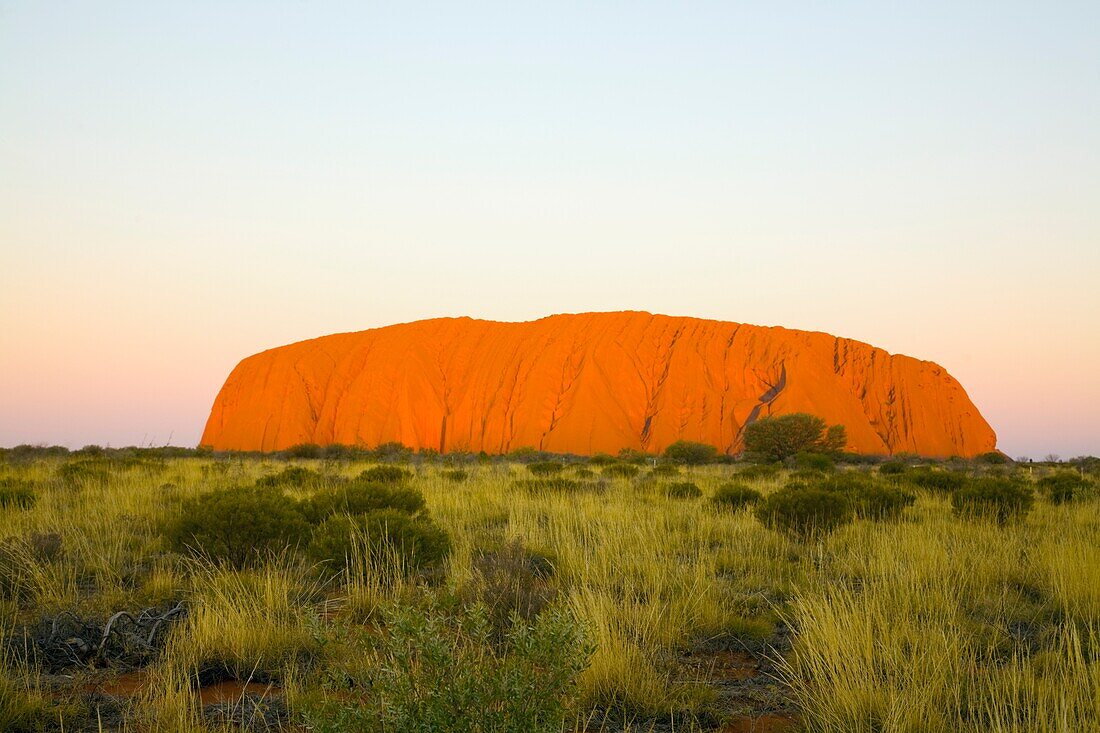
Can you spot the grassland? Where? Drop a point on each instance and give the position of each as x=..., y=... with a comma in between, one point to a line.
x=657, y=611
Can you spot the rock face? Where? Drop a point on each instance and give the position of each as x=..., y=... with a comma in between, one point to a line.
x=586, y=383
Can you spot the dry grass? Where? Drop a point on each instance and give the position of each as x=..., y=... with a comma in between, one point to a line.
x=930, y=623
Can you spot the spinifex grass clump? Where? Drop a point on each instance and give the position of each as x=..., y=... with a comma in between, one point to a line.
x=18, y=493
x=418, y=541
x=361, y=497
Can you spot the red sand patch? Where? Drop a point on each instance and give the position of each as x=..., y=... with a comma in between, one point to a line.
x=133, y=683
x=767, y=723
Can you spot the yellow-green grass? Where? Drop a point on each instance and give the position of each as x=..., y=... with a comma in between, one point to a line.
x=928, y=623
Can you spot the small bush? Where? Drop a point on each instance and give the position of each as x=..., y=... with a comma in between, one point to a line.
x=555, y=484
x=238, y=525
x=804, y=511
x=938, y=482
x=290, y=476
x=892, y=468
x=16, y=493
x=682, y=490
x=1000, y=498
x=602, y=459
x=814, y=462
x=360, y=497
x=511, y=582
x=630, y=455
x=455, y=475
x=417, y=541
x=385, y=475
x=690, y=454
x=621, y=470
x=735, y=496
x=1062, y=487
x=83, y=472
x=665, y=469
x=882, y=502
x=545, y=468
x=304, y=450
x=583, y=473
x=434, y=674
x=992, y=458
x=759, y=472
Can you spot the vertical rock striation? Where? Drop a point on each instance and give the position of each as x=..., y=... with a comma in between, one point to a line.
x=586, y=383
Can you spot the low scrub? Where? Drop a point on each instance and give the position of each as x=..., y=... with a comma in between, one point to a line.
x=383, y=536
x=620, y=470
x=290, y=476
x=455, y=475
x=360, y=497
x=435, y=675
x=814, y=462
x=545, y=468
x=1002, y=499
x=935, y=480
x=385, y=475
x=1063, y=487
x=805, y=511
x=17, y=493
x=734, y=496
x=241, y=525
x=682, y=490
x=690, y=454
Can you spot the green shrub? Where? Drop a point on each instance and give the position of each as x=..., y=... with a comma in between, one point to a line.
x=238, y=525
x=1059, y=488
x=385, y=475
x=759, y=471
x=682, y=490
x=545, y=468
x=735, y=496
x=620, y=470
x=290, y=476
x=781, y=436
x=555, y=484
x=417, y=542
x=435, y=676
x=511, y=582
x=632, y=456
x=992, y=458
x=1000, y=498
x=83, y=472
x=583, y=473
x=455, y=475
x=690, y=454
x=804, y=511
x=304, y=450
x=602, y=459
x=665, y=469
x=877, y=501
x=814, y=462
x=360, y=497
x=936, y=481
x=17, y=493
x=893, y=468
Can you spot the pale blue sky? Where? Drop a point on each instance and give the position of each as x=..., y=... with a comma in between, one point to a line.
x=182, y=184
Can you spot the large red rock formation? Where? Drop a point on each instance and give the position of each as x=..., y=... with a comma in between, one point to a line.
x=586, y=383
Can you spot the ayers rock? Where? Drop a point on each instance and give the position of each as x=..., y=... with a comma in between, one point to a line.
x=586, y=383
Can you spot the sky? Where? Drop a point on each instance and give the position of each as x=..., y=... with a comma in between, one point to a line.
x=183, y=184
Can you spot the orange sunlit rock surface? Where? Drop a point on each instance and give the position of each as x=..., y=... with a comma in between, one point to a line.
x=586, y=383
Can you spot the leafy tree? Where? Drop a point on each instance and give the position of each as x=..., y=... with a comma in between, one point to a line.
x=691, y=454
x=781, y=436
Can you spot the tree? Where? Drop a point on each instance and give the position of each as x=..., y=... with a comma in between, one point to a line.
x=781, y=436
